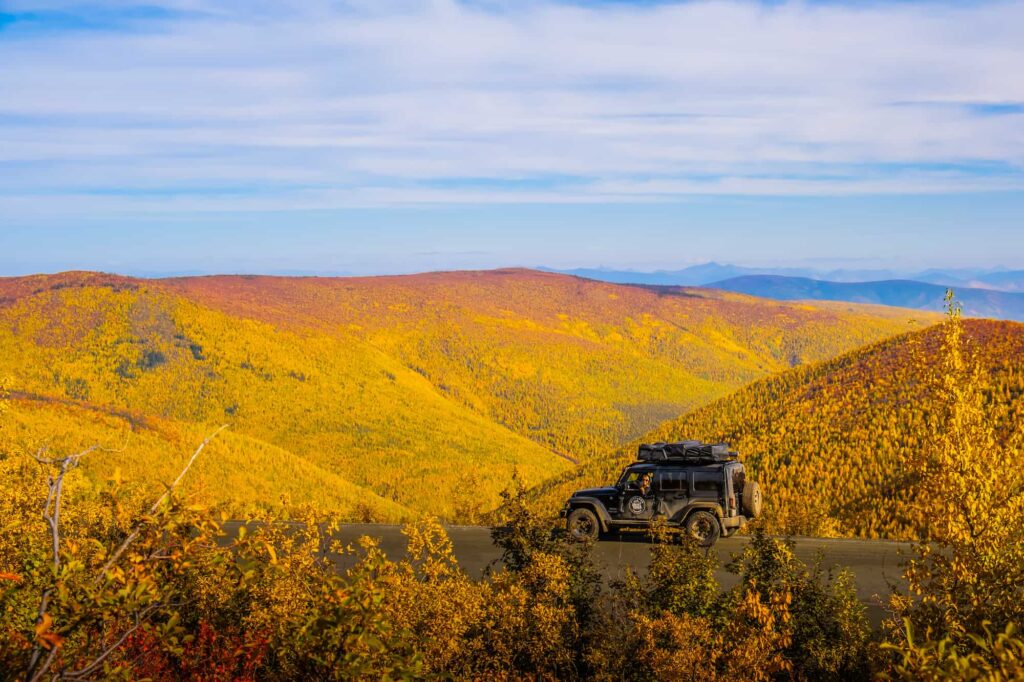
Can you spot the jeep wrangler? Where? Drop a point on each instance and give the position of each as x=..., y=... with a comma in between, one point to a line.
x=699, y=488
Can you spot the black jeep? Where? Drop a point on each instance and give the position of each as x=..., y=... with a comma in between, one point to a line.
x=698, y=487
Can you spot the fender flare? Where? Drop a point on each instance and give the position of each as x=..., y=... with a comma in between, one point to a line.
x=712, y=507
x=594, y=505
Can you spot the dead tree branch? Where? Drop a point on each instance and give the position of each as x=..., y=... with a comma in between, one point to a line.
x=156, y=506
x=140, y=619
x=51, y=515
x=38, y=666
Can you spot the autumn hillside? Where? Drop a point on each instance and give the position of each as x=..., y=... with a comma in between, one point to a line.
x=831, y=442
x=576, y=365
x=384, y=397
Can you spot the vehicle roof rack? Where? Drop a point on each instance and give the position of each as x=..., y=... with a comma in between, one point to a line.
x=686, y=451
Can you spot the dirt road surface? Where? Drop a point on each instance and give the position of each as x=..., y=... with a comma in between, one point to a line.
x=875, y=563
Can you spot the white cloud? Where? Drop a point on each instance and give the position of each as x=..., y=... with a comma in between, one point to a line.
x=403, y=102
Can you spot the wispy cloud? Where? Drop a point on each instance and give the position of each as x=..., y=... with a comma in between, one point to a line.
x=206, y=105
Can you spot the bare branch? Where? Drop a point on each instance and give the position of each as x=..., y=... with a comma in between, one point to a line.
x=98, y=661
x=51, y=515
x=187, y=466
x=156, y=506
x=45, y=666
x=73, y=459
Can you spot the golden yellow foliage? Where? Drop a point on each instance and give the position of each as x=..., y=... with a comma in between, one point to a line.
x=418, y=393
x=336, y=410
x=750, y=647
x=576, y=365
x=965, y=581
x=240, y=473
x=834, y=444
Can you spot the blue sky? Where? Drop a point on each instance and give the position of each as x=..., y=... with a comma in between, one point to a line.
x=406, y=135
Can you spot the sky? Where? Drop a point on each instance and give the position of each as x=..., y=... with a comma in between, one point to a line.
x=373, y=136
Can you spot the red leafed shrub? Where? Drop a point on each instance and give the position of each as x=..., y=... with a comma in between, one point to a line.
x=212, y=656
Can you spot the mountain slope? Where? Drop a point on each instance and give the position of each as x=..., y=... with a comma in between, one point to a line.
x=902, y=293
x=1012, y=280
x=576, y=365
x=828, y=441
x=423, y=391
x=235, y=468
x=339, y=404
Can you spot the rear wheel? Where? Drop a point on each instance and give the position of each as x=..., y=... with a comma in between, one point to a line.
x=703, y=527
x=582, y=524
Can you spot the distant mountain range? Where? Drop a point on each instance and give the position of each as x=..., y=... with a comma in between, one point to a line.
x=994, y=293
x=707, y=273
x=898, y=292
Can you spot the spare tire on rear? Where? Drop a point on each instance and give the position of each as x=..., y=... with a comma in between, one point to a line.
x=752, y=499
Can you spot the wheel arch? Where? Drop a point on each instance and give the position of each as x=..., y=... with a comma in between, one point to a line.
x=594, y=505
x=715, y=509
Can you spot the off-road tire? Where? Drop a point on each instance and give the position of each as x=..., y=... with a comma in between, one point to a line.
x=582, y=525
x=752, y=499
x=703, y=527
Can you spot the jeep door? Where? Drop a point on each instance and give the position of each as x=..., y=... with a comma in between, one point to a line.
x=707, y=486
x=673, y=490
x=635, y=507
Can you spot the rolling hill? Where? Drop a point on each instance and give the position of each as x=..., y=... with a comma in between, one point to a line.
x=387, y=396
x=829, y=441
x=1000, y=280
x=576, y=365
x=340, y=405
x=902, y=293
x=253, y=475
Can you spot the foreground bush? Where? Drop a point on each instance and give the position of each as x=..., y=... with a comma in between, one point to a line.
x=965, y=603
x=162, y=592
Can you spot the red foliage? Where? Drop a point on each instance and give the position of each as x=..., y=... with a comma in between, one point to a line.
x=212, y=656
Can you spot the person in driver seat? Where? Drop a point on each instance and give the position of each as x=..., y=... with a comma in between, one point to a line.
x=645, y=484
x=647, y=490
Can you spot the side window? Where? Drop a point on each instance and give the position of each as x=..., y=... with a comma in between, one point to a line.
x=671, y=481
x=707, y=483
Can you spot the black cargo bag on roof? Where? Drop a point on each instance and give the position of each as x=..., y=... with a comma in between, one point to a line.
x=657, y=452
x=687, y=449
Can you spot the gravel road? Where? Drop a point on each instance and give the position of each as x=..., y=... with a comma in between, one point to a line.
x=875, y=563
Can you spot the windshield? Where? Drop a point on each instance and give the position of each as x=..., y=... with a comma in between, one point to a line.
x=631, y=478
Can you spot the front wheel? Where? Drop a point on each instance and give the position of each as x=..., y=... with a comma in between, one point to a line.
x=582, y=525
x=703, y=527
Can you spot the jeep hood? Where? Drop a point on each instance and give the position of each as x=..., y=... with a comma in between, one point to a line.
x=596, y=492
